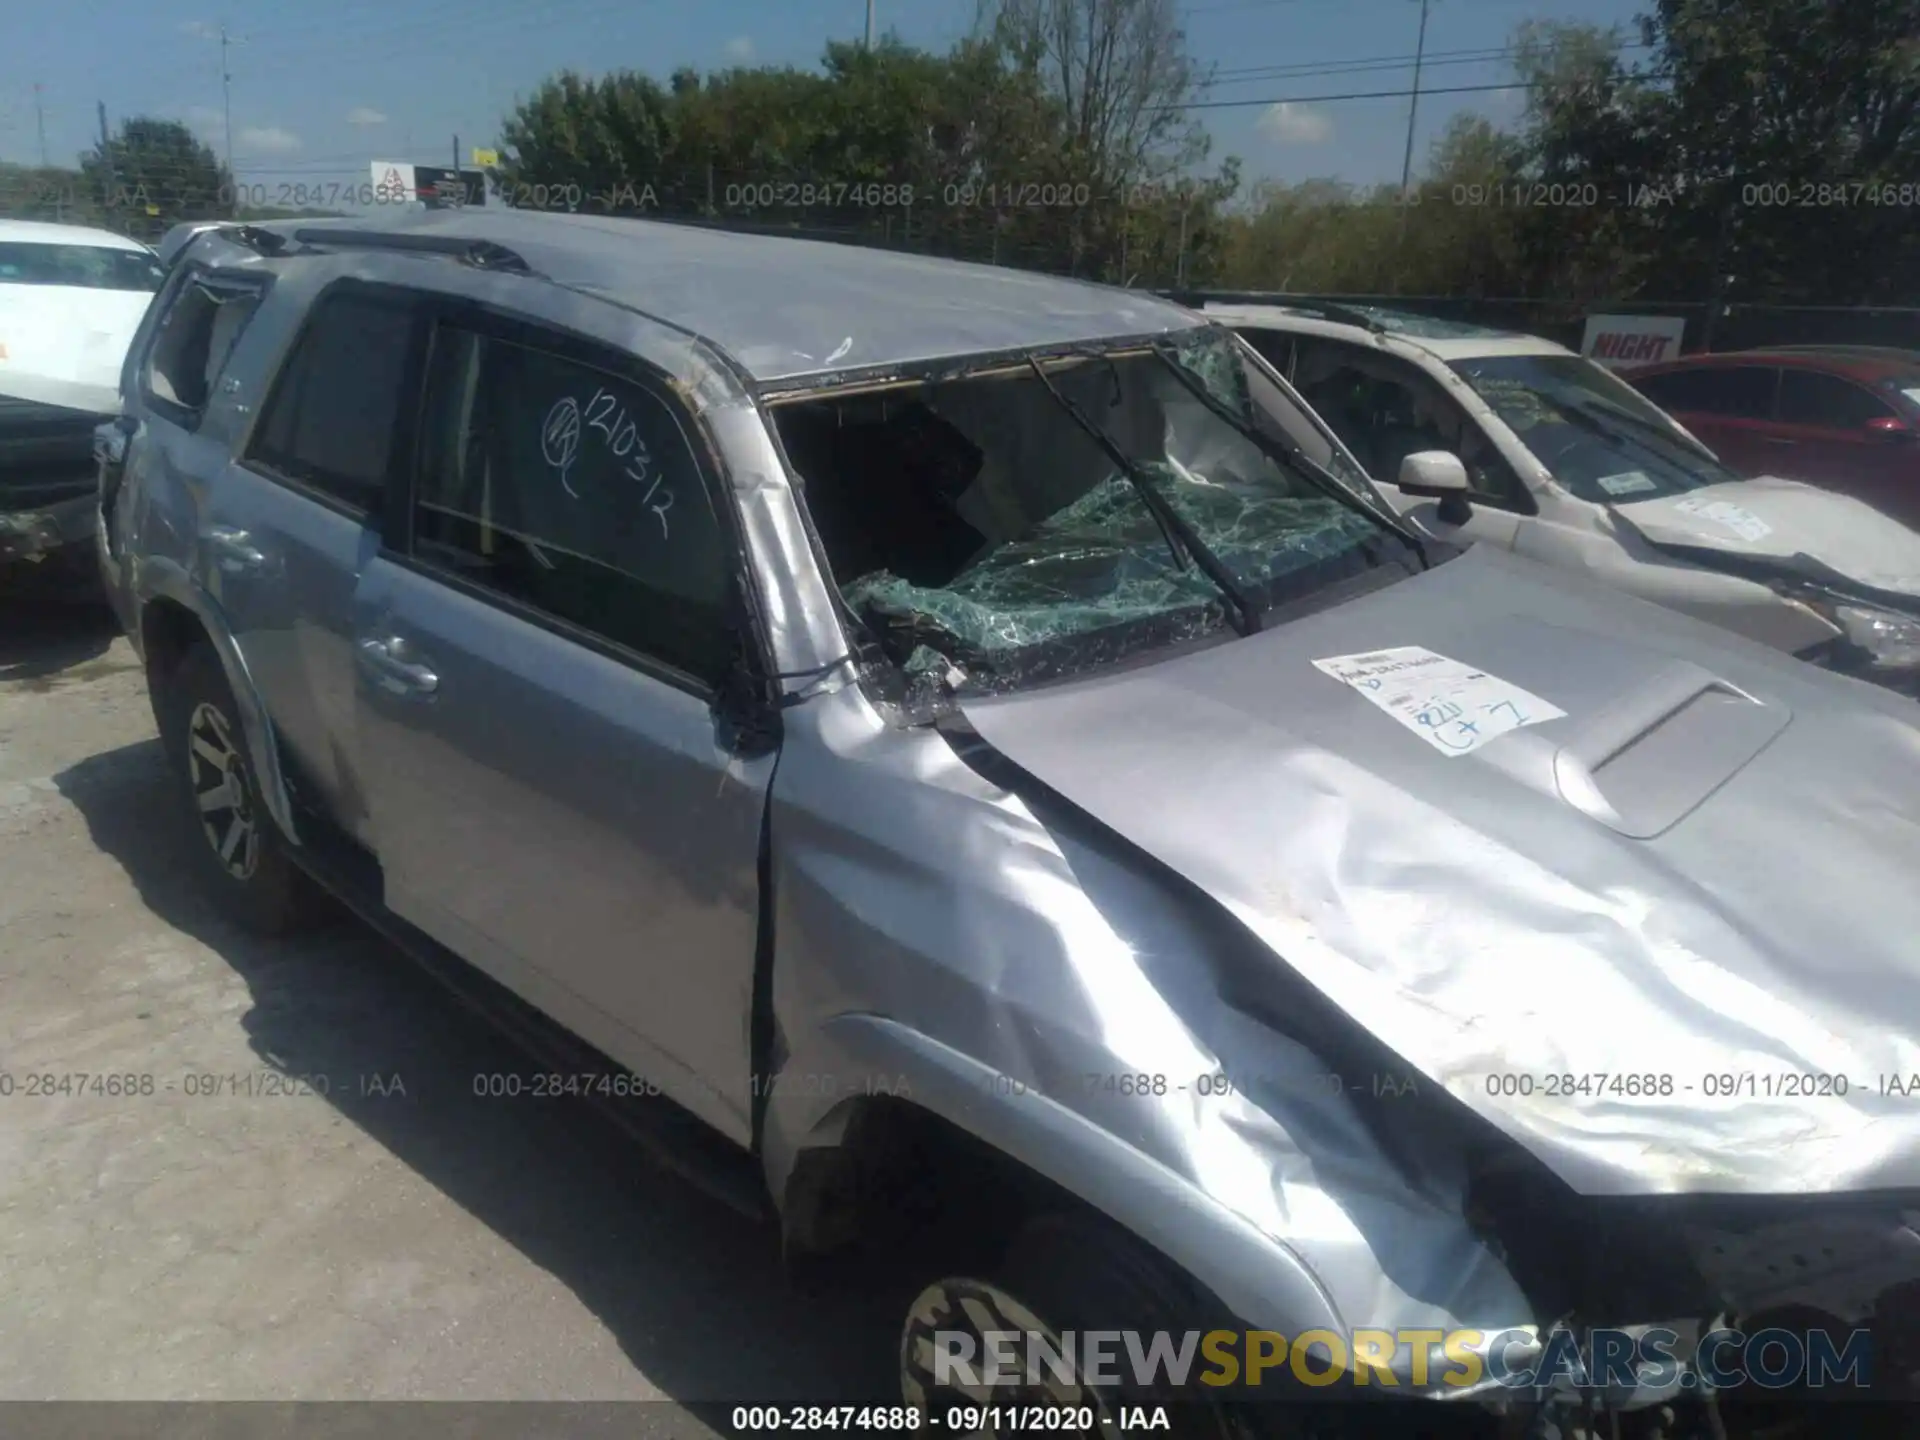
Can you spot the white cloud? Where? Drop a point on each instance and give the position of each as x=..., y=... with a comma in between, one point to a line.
x=365, y=115
x=267, y=139
x=740, y=48
x=200, y=29
x=1288, y=123
x=204, y=116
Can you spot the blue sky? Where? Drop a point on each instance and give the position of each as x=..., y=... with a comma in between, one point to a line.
x=321, y=90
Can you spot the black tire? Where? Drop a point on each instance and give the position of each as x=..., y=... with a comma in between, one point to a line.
x=238, y=849
x=1070, y=1273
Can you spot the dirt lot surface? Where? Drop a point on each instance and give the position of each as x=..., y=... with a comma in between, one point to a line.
x=392, y=1238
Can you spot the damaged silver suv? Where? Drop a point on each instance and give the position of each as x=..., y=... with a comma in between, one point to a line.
x=972, y=752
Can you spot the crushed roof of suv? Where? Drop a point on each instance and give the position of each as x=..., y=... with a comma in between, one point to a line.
x=788, y=308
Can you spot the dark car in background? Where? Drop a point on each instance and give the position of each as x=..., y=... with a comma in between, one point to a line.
x=1845, y=418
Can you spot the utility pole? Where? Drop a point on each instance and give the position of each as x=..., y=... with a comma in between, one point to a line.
x=869, y=24
x=1413, y=114
x=40, y=111
x=226, y=110
x=1413, y=117
x=106, y=157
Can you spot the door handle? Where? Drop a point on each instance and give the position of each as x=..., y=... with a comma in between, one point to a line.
x=235, y=548
x=1777, y=440
x=385, y=665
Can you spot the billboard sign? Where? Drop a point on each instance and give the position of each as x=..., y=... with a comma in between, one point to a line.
x=1621, y=341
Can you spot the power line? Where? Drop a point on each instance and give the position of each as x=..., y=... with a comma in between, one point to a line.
x=1238, y=5
x=1356, y=95
x=1308, y=68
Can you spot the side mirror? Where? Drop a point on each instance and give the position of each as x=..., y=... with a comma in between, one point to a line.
x=1889, y=429
x=1438, y=475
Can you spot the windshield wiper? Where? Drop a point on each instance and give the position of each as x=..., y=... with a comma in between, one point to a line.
x=1179, y=535
x=1600, y=419
x=1293, y=457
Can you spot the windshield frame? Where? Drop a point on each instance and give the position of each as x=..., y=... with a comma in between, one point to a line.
x=1602, y=412
x=1373, y=562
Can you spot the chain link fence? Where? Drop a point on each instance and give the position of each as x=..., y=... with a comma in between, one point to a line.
x=1151, y=238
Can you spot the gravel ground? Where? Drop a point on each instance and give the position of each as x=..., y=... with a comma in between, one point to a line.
x=394, y=1238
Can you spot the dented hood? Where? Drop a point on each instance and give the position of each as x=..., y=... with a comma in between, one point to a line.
x=1789, y=523
x=1663, y=931
x=63, y=345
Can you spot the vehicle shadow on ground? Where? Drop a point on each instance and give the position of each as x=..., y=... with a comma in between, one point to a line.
x=694, y=1293
x=51, y=637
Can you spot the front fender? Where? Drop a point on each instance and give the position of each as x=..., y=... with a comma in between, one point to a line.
x=1261, y=1281
x=164, y=579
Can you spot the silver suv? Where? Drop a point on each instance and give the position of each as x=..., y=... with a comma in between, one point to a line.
x=967, y=763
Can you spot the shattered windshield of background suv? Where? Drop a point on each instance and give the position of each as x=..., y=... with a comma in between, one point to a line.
x=1601, y=439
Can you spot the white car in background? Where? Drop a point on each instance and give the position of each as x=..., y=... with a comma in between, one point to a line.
x=70, y=301
x=1481, y=435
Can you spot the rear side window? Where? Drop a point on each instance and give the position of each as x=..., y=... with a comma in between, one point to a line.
x=573, y=490
x=191, y=345
x=330, y=422
x=1738, y=392
x=1808, y=397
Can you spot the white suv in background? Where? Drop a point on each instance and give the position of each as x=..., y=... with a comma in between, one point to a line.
x=1476, y=434
x=70, y=299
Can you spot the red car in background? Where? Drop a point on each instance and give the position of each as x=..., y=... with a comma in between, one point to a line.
x=1845, y=418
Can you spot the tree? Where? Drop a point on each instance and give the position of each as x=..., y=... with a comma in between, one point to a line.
x=153, y=174
x=1767, y=140
x=49, y=192
x=892, y=144
x=1122, y=77
x=577, y=139
x=1785, y=116
x=1596, y=139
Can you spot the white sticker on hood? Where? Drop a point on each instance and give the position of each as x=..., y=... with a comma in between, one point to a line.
x=1452, y=706
x=1629, y=482
x=1742, y=522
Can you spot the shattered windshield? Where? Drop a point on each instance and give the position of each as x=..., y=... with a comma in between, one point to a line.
x=976, y=528
x=1601, y=439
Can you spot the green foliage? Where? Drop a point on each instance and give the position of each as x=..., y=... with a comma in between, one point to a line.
x=51, y=193
x=153, y=174
x=1744, y=138
x=1004, y=155
x=1763, y=140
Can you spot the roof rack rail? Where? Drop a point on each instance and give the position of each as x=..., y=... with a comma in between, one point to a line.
x=481, y=254
x=1307, y=304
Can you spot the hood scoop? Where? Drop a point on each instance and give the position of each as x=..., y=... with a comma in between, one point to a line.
x=1645, y=762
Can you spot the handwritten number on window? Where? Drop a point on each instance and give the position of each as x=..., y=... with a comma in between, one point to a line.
x=560, y=443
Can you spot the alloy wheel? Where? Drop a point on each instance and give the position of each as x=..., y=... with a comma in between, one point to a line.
x=975, y=1308
x=222, y=793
